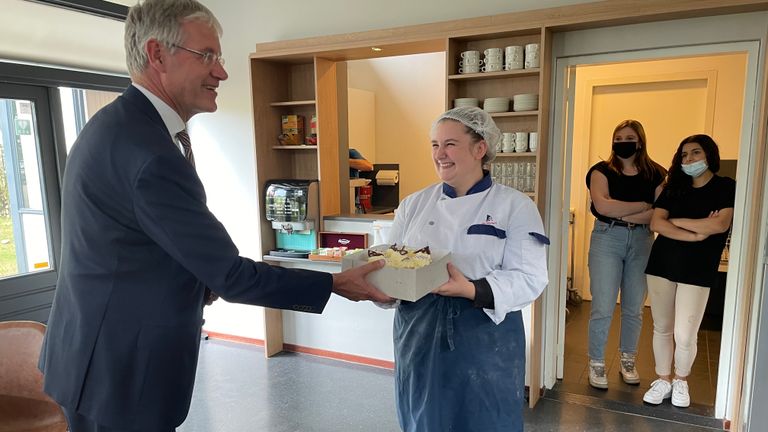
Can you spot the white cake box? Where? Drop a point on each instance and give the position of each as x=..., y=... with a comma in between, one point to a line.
x=400, y=283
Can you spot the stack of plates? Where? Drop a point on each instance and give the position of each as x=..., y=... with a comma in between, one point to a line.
x=525, y=102
x=496, y=104
x=465, y=102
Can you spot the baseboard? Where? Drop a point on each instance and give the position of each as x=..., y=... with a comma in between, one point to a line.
x=233, y=338
x=350, y=358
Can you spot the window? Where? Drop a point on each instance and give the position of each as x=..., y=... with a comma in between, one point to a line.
x=42, y=111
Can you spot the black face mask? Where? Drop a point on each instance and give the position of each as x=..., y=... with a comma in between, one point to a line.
x=625, y=149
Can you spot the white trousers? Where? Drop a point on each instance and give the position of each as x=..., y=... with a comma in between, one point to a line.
x=677, y=310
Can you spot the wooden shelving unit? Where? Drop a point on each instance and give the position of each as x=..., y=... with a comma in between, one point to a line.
x=311, y=87
x=505, y=84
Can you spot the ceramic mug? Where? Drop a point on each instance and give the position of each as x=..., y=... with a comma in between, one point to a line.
x=531, y=56
x=470, y=55
x=469, y=69
x=521, y=142
x=533, y=141
x=493, y=52
x=508, y=142
x=513, y=57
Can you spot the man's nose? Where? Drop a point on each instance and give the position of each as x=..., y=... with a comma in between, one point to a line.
x=219, y=72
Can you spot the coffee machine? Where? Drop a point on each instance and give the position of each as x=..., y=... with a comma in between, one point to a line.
x=293, y=208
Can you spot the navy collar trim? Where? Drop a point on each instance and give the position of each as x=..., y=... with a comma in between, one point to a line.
x=483, y=185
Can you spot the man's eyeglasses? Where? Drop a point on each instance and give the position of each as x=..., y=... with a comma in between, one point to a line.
x=209, y=58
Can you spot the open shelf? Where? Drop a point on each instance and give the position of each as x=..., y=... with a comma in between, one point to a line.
x=515, y=114
x=292, y=103
x=495, y=75
x=295, y=147
x=521, y=154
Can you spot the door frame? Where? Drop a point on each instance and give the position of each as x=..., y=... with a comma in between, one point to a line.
x=728, y=377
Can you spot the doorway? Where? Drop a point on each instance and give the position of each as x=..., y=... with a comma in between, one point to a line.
x=674, y=93
x=672, y=98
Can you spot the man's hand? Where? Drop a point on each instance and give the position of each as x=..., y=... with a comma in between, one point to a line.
x=351, y=284
x=457, y=286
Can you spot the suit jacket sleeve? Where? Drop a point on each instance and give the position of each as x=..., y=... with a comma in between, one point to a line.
x=169, y=202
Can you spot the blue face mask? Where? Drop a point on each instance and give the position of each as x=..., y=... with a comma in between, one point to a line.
x=695, y=169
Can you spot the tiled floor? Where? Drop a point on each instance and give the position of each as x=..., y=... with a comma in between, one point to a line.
x=702, y=381
x=238, y=390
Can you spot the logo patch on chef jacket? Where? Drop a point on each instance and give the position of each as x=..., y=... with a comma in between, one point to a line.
x=489, y=220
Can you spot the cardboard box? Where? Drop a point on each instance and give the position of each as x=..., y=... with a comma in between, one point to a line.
x=329, y=239
x=293, y=130
x=404, y=284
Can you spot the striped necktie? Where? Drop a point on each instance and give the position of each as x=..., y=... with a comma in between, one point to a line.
x=186, y=145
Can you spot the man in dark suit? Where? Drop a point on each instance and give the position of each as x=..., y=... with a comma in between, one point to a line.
x=139, y=245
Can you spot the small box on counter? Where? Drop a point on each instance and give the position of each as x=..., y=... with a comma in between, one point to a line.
x=347, y=240
x=401, y=283
x=293, y=130
x=330, y=254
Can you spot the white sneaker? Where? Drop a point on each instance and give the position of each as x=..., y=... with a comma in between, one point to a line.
x=597, y=376
x=659, y=391
x=680, y=396
x=628, y=371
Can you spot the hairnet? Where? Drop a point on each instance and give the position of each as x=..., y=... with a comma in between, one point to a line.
x=479, y=121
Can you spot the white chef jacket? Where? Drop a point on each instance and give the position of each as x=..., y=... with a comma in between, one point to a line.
x=514, y=266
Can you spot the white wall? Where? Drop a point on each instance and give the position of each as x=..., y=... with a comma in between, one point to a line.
x=247, y=23
x=224, y=140
x=410, y=94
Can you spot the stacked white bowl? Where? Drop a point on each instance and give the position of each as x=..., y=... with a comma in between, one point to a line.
x=525, y=102
x=496, y=104
x=466, y=102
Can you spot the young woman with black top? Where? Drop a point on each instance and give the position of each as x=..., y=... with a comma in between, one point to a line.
x=692, y=216
x=622, y=189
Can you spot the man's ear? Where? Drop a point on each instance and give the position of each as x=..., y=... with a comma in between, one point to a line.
x=156, y=55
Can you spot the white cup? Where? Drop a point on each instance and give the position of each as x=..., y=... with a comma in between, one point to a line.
x=521, y=142
x=532, y=56
x=469, y=69
x=513, y=57
x=508, y=142
x=470, y=55
x=470, y=62
x=493, y=59
x=493, y=52
x=491, y=67
x=533, y=141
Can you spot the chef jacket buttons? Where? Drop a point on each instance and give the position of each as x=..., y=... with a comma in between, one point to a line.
x=431, y=222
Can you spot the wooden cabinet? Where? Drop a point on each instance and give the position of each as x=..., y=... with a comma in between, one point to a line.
x=522, y=170
x=306, y=87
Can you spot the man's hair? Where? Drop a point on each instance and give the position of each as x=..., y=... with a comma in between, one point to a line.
x=160, y=20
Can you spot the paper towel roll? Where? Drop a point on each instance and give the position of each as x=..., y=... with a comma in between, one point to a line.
x=387, y=177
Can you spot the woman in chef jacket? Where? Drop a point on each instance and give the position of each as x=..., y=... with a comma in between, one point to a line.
x=460, y=351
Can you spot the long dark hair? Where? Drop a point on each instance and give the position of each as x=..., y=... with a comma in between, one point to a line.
x=680, y=182
x=646, y=167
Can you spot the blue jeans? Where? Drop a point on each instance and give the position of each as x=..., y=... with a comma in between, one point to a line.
x=617, y=259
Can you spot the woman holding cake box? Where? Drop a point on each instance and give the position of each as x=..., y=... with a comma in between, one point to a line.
x=460, y=351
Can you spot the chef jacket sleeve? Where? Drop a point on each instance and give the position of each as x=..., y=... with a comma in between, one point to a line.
x=523, y=273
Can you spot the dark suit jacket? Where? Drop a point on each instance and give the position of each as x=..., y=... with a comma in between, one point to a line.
x=138, y=247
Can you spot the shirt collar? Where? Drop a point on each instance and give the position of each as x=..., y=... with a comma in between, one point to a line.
x=483, y=185
x=171, y=118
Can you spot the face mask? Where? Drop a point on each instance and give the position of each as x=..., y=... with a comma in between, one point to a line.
x=695, y=169
x=625, y=149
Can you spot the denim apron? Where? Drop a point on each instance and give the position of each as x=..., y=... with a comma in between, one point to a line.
x=457, y=371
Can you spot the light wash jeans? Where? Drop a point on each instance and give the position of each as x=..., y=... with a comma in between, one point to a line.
x=617, y=259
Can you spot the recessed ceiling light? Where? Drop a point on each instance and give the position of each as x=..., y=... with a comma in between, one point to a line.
x=376, y=49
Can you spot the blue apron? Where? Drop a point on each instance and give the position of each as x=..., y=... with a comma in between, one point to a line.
x=457, y=371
